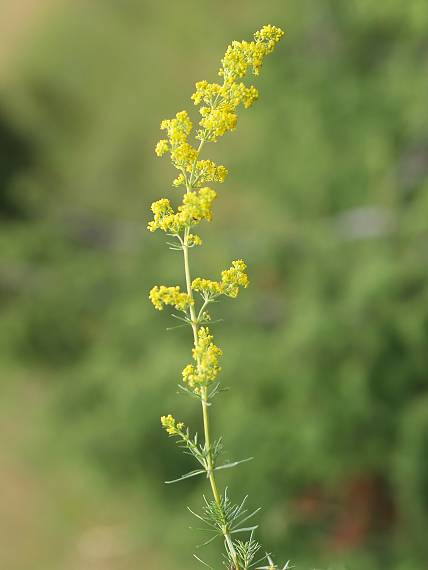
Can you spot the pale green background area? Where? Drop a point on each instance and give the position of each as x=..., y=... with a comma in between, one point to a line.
x=325, y=353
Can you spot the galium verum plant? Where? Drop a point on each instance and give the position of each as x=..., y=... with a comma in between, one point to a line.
x=218, y=106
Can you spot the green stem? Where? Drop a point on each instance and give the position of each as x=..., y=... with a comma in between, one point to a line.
x=204, y=399
x=202, y=309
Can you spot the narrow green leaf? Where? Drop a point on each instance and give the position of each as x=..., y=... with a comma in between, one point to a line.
x=250, y=515
x=205, y=521
x=187, y=476
x=233, y=464
x=176, y=327
x=247, y=529
x=202, y=562
x=208, y=541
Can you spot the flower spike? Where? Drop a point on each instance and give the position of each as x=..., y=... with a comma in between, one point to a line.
x=219, y=105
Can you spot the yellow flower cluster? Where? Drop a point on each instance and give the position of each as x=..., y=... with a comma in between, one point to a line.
x=270, y=36
x=235, y=277
x=183, y=154
x=162, y=147
x=221, y=101
x=163, y=215
x=202, y=171
x=171, y=425
x=212, y=93
x=193, y=239
x=217, y=122
x=208, y=171
x=206, y=354
x=162, y=295
x=240, y=56
x=196, y=206
x=178, y=129
x=231, y=280
x=218, y=109
x=210, y=288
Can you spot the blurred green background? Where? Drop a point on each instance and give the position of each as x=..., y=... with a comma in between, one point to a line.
x=326, y=353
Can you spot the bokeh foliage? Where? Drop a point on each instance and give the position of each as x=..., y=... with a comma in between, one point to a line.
x=327, y=201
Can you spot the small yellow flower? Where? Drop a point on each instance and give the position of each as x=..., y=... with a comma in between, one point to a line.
x=162, y=147
x=179, y=181
x=193, y=239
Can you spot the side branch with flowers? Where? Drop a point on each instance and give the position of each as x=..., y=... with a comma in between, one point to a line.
x=219, y=103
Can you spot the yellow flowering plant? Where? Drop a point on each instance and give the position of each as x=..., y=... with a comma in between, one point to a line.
x=218, y=106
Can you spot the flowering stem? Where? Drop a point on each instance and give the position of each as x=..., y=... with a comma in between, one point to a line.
x=219, y=104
